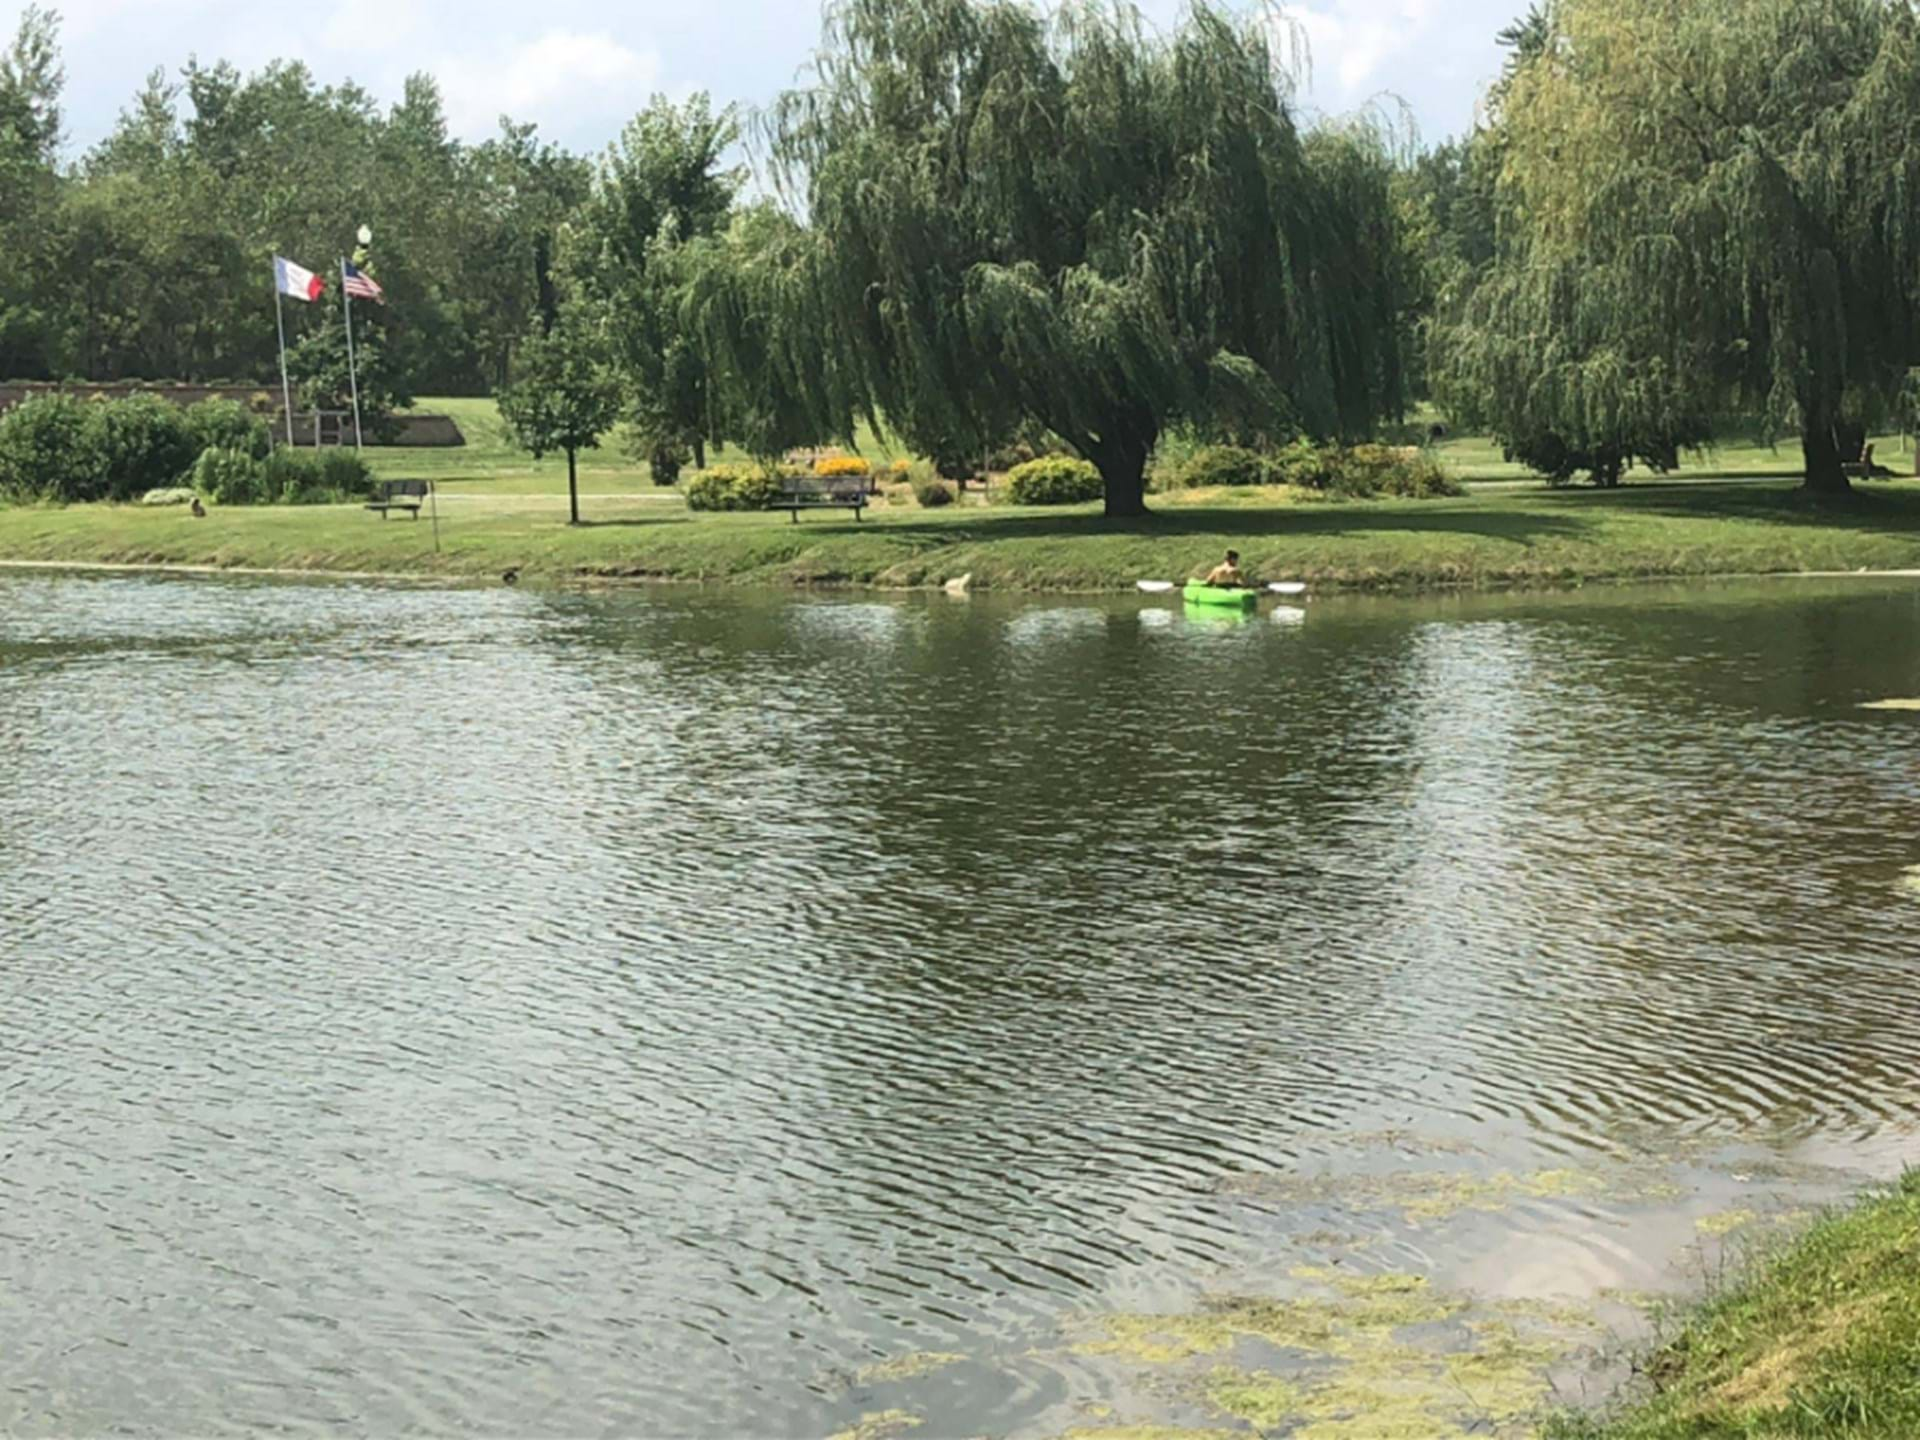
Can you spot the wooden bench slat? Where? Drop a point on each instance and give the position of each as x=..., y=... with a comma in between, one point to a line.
x=408, y=495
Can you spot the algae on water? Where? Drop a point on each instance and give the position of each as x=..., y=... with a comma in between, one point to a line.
x=905, y=1367
x=1724, y=1224
x=1356, y=1377
x=880, y=1425
x=1421, y=1195
x=1264, y=1401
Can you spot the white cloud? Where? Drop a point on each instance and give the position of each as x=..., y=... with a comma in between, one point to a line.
x=560, y=74
x=1356, y=45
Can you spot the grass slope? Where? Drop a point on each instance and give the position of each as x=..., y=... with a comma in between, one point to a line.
x=1823, y=1339
x=1492, y=538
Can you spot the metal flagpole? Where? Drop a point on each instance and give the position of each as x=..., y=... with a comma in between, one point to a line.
x=286, y=390
x=353, y=376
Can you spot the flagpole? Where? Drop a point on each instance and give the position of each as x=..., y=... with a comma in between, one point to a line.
x=353, y=376
x=286, y=390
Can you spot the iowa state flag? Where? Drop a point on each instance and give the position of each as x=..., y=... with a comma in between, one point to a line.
x=296, y=280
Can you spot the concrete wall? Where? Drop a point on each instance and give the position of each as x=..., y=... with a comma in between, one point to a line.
x=416, y=430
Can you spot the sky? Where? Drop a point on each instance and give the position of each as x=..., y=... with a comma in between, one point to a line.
x=578, y=68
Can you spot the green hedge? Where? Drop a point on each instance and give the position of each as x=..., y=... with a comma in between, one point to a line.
x=69, y=450
x=219, y=424
x=144, y=443
x=1224, y=465
x=1054, y=480
x=49, y=450
x=308, y=477
x=231, y=477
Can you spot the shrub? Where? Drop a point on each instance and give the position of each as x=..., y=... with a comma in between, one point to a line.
x=839, y=466
x=755, y=489
x=230, y=477
x=228, y=425
x=1366, y=471
x=143, y=443
x=292, y=476
x=900, y=468
x=1224, y=465
x=666, y=460
x=49, y=451
x=168, y=495
x=1420, y=477
x=1054, y=480
x=933, y=493
x=732, y=487
x=345, y=475
x=1304, y=464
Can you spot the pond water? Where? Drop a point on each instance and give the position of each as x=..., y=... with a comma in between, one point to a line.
x=693, y=1013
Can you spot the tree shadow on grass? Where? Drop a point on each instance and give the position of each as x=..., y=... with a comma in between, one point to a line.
x=633, y=521
x=1246, y=524
x=1883, y=510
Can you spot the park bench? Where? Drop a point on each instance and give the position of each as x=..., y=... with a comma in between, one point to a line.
x=822, y=492
x=400, y=495
x=1865, y=468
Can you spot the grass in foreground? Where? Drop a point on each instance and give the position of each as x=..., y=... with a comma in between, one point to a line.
x=1490, y=539
x=1822, y=1339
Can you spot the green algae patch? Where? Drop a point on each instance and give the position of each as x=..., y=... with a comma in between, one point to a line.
x=1726, y=1222
x=1356, y=1366
x=1334, y=1327
x=906, y=1367
x=1357, y=1286
x=880, y=1425
x=1264, y=1401
x=1428, y=1195
x=1407, y=1142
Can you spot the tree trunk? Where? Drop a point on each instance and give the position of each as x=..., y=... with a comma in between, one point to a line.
x=1824, y=475
x=700, y=453
x=573, y=488
x=1122, y=462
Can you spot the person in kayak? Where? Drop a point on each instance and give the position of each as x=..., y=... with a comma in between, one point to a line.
x=1227, y=575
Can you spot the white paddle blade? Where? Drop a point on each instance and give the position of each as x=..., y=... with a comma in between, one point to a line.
x=1154, y=587
x=1287, y=587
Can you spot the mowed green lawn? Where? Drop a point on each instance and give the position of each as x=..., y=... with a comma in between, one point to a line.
x=1498, y=537
x=499, y=509
x=490, y=464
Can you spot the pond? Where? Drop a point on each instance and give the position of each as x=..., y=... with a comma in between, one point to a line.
x=718, y=1013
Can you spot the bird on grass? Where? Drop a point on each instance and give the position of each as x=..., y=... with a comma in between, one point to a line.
x=511, y=577
x=199, y=510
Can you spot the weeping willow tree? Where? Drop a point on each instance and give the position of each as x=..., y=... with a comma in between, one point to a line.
x=1706, y=210
x=1062, y=220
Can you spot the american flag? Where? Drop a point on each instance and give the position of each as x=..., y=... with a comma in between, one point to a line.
x=359, y=286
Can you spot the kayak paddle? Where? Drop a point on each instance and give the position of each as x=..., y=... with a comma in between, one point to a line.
x=1163, y=587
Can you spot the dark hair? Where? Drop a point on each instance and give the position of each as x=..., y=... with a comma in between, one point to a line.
x=1233, y=555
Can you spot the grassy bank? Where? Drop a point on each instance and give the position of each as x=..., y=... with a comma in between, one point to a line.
x=1487, y=539
x=1822, y=1339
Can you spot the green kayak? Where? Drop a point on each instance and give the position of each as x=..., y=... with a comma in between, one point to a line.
x=1200, y=593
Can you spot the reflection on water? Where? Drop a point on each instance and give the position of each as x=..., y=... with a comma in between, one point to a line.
x=706, y=1014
